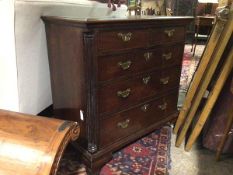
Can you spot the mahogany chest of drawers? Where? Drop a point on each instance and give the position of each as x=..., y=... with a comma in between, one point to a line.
x=118, y=78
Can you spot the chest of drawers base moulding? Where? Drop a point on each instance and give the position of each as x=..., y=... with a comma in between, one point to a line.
x=134, y=80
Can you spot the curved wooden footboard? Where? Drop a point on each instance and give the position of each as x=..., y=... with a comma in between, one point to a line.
x=33, y=145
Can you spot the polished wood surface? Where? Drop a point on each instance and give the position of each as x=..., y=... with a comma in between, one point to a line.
x=128, y=122
x=115, y=21
x=169, y=34
x=32, y=145
x=103, y=71
x=110, y=40
x=139, y=61
x=140, y=88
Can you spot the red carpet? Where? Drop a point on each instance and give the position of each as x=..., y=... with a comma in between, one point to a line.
x=189, y=65
x=147, y=156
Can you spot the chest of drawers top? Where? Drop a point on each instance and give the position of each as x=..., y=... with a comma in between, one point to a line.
x=118, y=35
x=135, y=31
x=116, y=21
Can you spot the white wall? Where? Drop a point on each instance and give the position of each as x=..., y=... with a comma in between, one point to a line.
x=26, y=87
x=8, y=72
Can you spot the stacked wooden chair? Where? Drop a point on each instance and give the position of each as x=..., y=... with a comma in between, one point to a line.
x=206, y=71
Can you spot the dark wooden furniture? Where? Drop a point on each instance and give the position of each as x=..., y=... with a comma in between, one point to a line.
x=228, y=127
x=202, y=22
x=32, y=145
x=118, y=77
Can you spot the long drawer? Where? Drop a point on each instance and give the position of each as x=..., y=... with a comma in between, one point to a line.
x=114, y=66
x=128, y=122
x=119, y=94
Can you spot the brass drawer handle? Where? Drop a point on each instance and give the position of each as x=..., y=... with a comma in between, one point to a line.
x=146, y=80
x=148, y=55
x=123, y=124
x=124, y=94
x=167, y=56
x=163, y=106
x=125, y=65
x=169, y=33
x=125, y=36
x=164, y=80
x=145, y=107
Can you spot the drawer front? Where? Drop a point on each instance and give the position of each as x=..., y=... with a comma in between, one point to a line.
x=120, y=94
x=125, y=64
x=128, y=122
x=167, y=35
x=121, y=40
x=172, y=55
x=110, y=67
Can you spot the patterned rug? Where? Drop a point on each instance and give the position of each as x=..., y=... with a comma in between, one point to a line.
x=189, y=66
x=147, y=156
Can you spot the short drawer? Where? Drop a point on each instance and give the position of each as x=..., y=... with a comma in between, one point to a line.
x=120, y=94
x=126, y=123
x=167, y=35
x=172, y=55
x=121, y=40
x=113, y=66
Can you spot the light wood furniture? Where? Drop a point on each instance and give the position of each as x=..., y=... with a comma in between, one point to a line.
x=214, y=93
x=118, y=77
x=32, y=145
x=212, y=56
x=198, y=76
